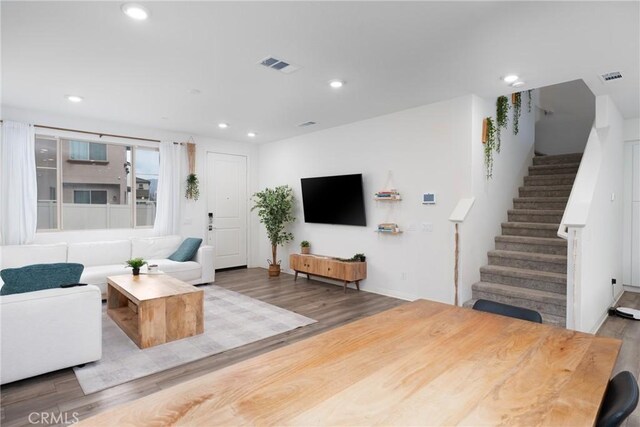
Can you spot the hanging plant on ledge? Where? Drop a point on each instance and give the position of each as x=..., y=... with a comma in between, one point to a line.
x=516, y=100
x=193, y=189
x=489, y=140
x=530, y=93
x=502, y=116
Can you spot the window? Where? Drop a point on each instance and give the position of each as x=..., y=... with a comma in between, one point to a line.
x=147, y=169
x=94, y=193
x=90, y=197
x=87, y=151
x=47, y=179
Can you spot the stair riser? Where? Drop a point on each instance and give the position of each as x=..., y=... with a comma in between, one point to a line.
x=534, y=248
x=539, y=205
x=540, y=307
x=531, y=232
x=528, y=264
x=554, y=171
x=532, y=181
x=547, y=219
x=520, y=282
x=542, y=192
x=556, y=160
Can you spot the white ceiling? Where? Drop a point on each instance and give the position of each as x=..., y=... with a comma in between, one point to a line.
x=393, y=56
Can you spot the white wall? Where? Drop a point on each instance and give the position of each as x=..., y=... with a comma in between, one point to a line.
x=493, y=197
x=194, y=218
x=631, y=204
x=573, y=110
x=601, y=240
x=435, y=148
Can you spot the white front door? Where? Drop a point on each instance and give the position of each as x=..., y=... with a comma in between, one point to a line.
x=227, y=208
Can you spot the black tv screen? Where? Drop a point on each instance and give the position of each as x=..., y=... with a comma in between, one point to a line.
x=334, y=200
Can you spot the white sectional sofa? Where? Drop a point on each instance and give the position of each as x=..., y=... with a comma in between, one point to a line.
x=107, y=258
x=52, y=329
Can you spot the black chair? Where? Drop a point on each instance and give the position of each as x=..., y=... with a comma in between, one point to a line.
x=620, y=400
x=507, y=310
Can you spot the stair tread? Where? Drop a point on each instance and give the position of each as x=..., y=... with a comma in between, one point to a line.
x=547, y=241
x=537, y=211
x=524, y=272
x=539, y=225
x=523, y=293
x=553, y=176
x=559, y=259
x=547, y=187
x=542, y=199
x=556, y=165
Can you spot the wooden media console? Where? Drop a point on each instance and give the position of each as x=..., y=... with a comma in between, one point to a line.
x=329, y=267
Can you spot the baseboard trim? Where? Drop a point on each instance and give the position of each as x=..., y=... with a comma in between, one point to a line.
x=604, y=317
x=633, y=289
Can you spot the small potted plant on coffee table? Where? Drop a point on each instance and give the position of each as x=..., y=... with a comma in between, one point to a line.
x=135, y=264
x=305, y=247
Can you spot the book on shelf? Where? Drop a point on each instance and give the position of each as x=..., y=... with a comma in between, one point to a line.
x=388, y=227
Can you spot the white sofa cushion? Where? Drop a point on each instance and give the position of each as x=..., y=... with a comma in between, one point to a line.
x=154, y=247
x=185, y=271
x=20, y=255
x=97, y=274
x=100, y=253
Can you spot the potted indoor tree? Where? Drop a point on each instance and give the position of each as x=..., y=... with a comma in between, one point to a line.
x=275, y=210
x=305, y=248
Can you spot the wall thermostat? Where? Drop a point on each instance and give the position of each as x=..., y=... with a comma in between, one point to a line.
x=429, y=199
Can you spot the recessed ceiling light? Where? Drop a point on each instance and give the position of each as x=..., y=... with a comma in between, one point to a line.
x=517, y=84
x=223, y=125
x=510, y=78
x=336, y=84
x=74, y=98
x=135, y=11
x=252, y=134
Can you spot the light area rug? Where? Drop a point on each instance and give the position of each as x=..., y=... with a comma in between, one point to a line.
x=230, y=320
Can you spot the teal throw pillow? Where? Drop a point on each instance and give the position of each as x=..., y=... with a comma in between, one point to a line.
x=39, y=276
x=187, y=250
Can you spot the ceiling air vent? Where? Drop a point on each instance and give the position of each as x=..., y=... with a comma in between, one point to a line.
x=305, y=124
x=607, y=77
x=279, y=64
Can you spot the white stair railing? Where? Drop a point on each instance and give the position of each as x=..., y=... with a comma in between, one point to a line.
x=574, y=220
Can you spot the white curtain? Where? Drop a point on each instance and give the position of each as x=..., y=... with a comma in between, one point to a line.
x=18, y=184
x=172, y=158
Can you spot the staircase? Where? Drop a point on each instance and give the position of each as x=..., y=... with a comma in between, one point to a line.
x=528, y=267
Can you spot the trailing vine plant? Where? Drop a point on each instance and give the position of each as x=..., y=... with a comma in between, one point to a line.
x=502, y=116
x=489, y=145
x=516, y=99
x=530, y=94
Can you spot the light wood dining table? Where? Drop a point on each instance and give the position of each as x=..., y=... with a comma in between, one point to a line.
x=422, y=363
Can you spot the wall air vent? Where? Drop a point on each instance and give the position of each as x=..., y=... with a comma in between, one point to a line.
x=305, y=124
x=607, y=77
x=278, y=64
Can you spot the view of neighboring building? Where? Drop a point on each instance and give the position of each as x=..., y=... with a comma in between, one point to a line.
x=94, y=173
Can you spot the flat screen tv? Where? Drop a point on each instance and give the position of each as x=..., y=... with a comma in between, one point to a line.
x=334, y=200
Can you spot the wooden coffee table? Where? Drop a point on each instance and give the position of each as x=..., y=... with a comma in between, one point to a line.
x=154, y=309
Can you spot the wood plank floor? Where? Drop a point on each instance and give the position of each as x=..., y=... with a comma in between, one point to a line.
x=59, y=392
x=629, y=332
